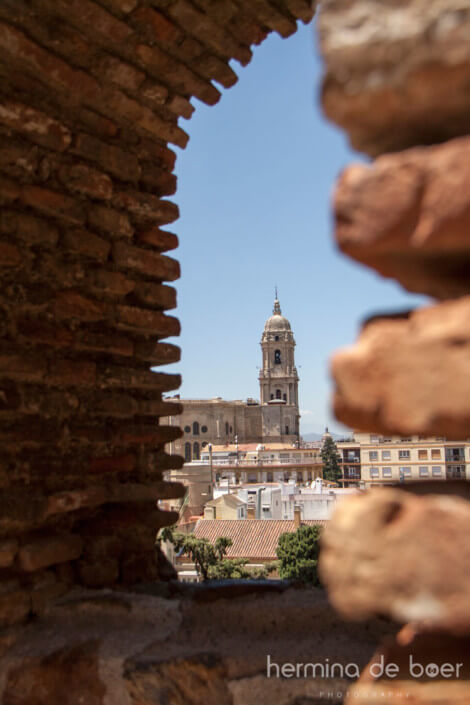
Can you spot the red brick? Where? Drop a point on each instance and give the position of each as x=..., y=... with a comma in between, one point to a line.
x=161, y=240
x=215, y=69
x=44, y=332
x=9, y=190
x=156, y=26
x=110, y=221
x=82, y=242
x=91, y=18
x=43, y=552
x=71, y=304
x=22, y=367
x=70, y=373
x=160, y=182
x=150, y=435
x=113, y=376
x=151, y=407
x=115, y=160
x=139, y=116
x=146, y=207
x=110, y=343
x=157, y=353
x=46, y=67
x=97, y=123
x=33, y=231
x=121, y=6
x=180, y=106
x=38, y=126
x=154, y=92
x=53, y=203
x=87, y=181
x=117, y=463
x=200, y=25
x=164, y=156
x=116, y=406
x=155, y=295
x=177, y=75
x=153, y=265
x=124, y=75
x=110, y=283
x=10, y=256
x=8, y=551
x=133, y=318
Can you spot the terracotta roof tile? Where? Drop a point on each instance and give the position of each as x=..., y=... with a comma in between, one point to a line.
x=252, y=538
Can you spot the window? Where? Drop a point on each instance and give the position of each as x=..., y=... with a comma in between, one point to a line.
x=402, y=454
x=386, y=455
x=187, y=452
x=203, y=444
x=373, y=455
x=284, y=396
x=196, y=454
x=227, y=426
x=422, y=454
x=435, y=453
x=436, y=471
x=276, y=337
x=270, y=477
x=374, y=439
x=277, y=357
x=423, y=471
x=278, y=394
x=204, y=429
x=287, y=430
x=195, y=429
x=374, y=472
x=187, y=429
x=386, y=472
x=272, y=396
x=405, y=472
x=231, y=429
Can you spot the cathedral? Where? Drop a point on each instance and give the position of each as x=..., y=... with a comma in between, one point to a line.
x=272, y=419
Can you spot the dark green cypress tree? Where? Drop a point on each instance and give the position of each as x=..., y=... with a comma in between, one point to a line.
x=331, y=460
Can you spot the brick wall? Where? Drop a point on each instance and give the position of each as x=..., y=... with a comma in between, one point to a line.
x=90, y=97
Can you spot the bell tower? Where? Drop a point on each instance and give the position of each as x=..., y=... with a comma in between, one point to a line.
x=278, y=380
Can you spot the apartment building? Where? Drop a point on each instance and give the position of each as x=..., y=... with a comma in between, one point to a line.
x=392, y=459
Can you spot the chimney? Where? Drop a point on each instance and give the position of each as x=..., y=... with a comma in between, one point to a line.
x=251, y=513
x=296, y=518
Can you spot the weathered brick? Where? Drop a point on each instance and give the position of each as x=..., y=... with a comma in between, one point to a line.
x=72, y=373
x=34, y=231
x=200, y=25
x=124, y=75
x=71, y=304
x=176, y=74
x=82, y=242
x=148, y=435
x=157, y=353
x=161, y=240
x=115, y=463
x=22, y=367
x=154, y=92
x=272, y=18
x=113, y=376
x=8, y=551
x=82, y=179
x=110, y=221
x=121, y=6
x=153, y=407
x=110, y=283
x=45, y=66
x=43, y=552
x=157, y=152
x=159, y=181
x=215, y=69
x=121, y=406
x=53, y=203
x=133, y=318
x=15, y=606
x=90, y=17
x=115, y=160
x=155, y=295
x=156, y=26
x=109, y=343
x=156, y=266
x=36, y=125
x=10, y=256
x=97, y=123
x=180, y=106
x=146, y=207
x=44, y=332
x=9, y=190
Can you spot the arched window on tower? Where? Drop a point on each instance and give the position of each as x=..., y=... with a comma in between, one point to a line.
x=187, y=452
x=196, y=454
x=278, y=394
x=277, y=357
x=195, y=429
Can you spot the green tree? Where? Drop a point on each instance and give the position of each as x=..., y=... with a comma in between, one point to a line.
x=331, y=460
x=298, y=555
x=210, y=559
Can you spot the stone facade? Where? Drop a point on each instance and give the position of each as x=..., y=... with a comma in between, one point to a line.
x=275, y=418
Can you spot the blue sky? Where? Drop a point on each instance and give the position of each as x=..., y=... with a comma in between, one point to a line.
x=254, y=189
